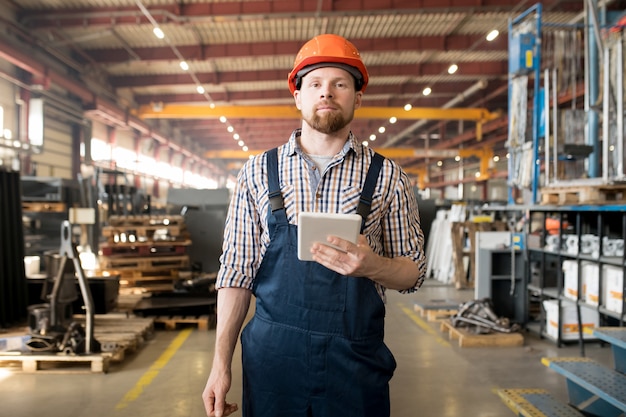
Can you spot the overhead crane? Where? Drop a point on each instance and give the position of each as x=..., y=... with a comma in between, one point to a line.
x=484, y=154
x=193, y=111
x=204, y=111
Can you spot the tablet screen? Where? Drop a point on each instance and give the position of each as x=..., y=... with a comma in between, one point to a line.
x=316, y=227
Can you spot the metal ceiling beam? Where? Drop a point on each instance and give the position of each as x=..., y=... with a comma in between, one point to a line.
x=179, y=111
x=290, y=48
x=197, y=13
x=482, y=69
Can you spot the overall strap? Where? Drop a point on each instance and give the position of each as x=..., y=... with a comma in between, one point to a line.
x=365, y=201
x=275, y=197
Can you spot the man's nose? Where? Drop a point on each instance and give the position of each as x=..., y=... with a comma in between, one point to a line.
x=326, y=91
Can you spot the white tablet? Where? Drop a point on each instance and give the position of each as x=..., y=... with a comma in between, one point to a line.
x=316, y=227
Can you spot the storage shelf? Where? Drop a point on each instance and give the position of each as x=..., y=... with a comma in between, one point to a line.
x=547, y=264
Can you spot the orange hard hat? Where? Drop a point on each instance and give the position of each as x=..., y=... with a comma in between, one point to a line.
x=328, y=51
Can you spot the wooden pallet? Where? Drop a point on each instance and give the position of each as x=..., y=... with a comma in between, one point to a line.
x=203, y=322
x=591, y=194
x=118, y=335
x=44, y=206
x=435, y=314
x=468, y=339
x=98, y=363
x=141, y=249
x=146, y=220
x=156, y=263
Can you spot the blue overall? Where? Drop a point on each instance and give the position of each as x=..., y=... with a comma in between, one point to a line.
x=314, y=347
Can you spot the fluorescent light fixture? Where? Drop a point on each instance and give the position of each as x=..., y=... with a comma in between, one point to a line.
x=427, y=91
x=452, y=69
x=492, y=35
x=184, y=65
x=158, y=32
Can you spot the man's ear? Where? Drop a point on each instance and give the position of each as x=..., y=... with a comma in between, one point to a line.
x=296, y=97
x=358, y=99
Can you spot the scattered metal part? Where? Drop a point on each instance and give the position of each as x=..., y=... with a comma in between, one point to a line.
x=479, y=317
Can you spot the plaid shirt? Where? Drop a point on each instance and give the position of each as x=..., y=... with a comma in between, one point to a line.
x=392, y=227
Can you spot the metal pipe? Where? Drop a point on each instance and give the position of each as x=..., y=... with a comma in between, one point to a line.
x=606, y=118
x=619, y=70
x=555, y=121
x=546, y=123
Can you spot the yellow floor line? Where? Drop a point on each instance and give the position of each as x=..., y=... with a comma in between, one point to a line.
x=424, y=325
x=147, y=378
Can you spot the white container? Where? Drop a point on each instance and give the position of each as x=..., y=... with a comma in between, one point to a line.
x=591, y=276
x=32, y=265
x=570, y=279
x=613, y=288
x=568, y=320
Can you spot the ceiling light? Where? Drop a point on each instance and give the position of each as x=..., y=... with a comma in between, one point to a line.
x=372, y=137
x=439, y=163
x=223, y=119
x=492, y=35
x=457, y=158
x=392, y=120
x=236, y=136
x=452, y=69
x=427, y=91
x=184, y=65
x=230, y=129
x=241, y=143
x=477, y=174
x=381, y=129
x=407, y=107
x=158, y=32
x=200, y=89
x=244, y=148
x=365, y=143
x=496, y=158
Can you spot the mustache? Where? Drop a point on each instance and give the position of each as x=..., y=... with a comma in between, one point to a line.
x=325, y=103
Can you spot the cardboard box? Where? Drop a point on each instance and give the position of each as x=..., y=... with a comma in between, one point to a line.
x=567, y=317
x=613, y=288
x=591, y=275
x=570, y=279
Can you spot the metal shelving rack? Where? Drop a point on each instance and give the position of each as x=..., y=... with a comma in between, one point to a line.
x=596, y=219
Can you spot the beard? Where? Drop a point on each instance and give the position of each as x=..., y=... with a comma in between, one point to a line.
x=328, y=123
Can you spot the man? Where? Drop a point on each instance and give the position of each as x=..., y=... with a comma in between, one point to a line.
x=315, y=344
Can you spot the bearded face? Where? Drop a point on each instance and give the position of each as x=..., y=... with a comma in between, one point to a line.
x=328, y=122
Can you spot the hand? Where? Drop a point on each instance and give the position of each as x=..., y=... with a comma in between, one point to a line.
x=214, y=395
x=356, y=260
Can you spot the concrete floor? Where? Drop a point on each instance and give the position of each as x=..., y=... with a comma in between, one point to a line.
x=434, y=378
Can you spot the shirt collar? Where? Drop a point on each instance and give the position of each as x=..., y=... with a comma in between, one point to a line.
x=293, y=147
